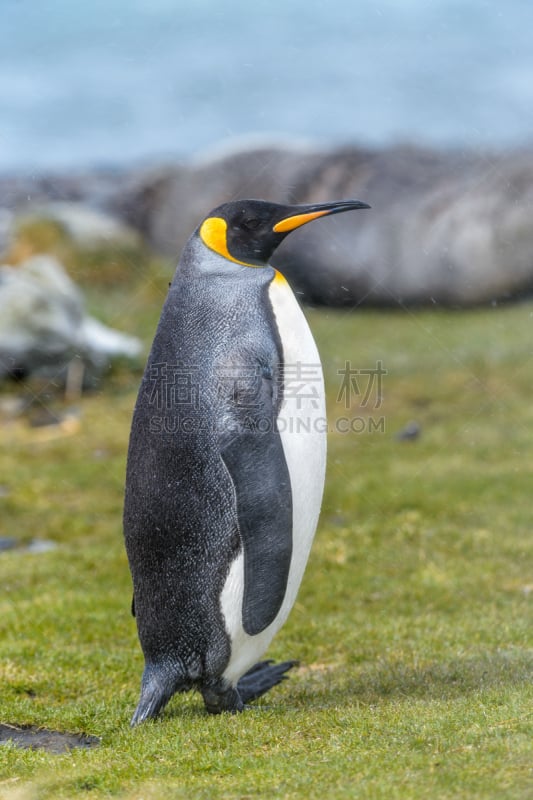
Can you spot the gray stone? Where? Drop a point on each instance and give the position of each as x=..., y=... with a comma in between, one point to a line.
x=43, y=323
x=87, y=227
x=7, y=543
x=445, y=227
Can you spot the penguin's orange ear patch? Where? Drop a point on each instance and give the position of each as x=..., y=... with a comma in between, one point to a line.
x=213, y=233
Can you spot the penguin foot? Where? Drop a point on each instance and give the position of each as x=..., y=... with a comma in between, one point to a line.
x=218, y=698
x=157, y=688
x=254, y=683
x=262, y=677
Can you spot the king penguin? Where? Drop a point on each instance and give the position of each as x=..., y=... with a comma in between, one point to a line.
x=226, y=462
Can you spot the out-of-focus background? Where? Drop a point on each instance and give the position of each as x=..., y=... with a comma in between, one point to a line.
x=123, y=120
x=122, y=124
x=109, y=82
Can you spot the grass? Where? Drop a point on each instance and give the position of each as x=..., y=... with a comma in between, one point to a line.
x=413, y=625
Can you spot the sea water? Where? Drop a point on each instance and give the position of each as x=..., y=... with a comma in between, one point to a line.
x=118, y=81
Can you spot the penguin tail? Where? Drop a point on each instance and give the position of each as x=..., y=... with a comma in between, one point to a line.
x=157, y=688
x=261, y=678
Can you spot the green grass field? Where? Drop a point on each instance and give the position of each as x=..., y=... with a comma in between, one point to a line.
x=413, y=627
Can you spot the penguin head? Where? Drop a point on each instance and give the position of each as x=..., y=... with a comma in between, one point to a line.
x=248, y=231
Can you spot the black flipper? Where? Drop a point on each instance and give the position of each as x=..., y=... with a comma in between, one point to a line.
x=257, y=466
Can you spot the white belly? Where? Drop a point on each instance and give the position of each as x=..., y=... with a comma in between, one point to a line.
x=302, y=426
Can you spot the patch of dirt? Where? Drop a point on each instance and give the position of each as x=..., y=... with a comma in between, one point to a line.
x=33, y=738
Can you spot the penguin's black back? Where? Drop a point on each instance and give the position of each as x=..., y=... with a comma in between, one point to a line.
x=181, y=517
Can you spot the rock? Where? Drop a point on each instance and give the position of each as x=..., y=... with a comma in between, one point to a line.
x=40, y=546
x=7, y=220
x=95, y=188
x=87, y=227
x=445, y=227
x=449, y=231
x=7, y=543
x=43, y=323
x=409, y=432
